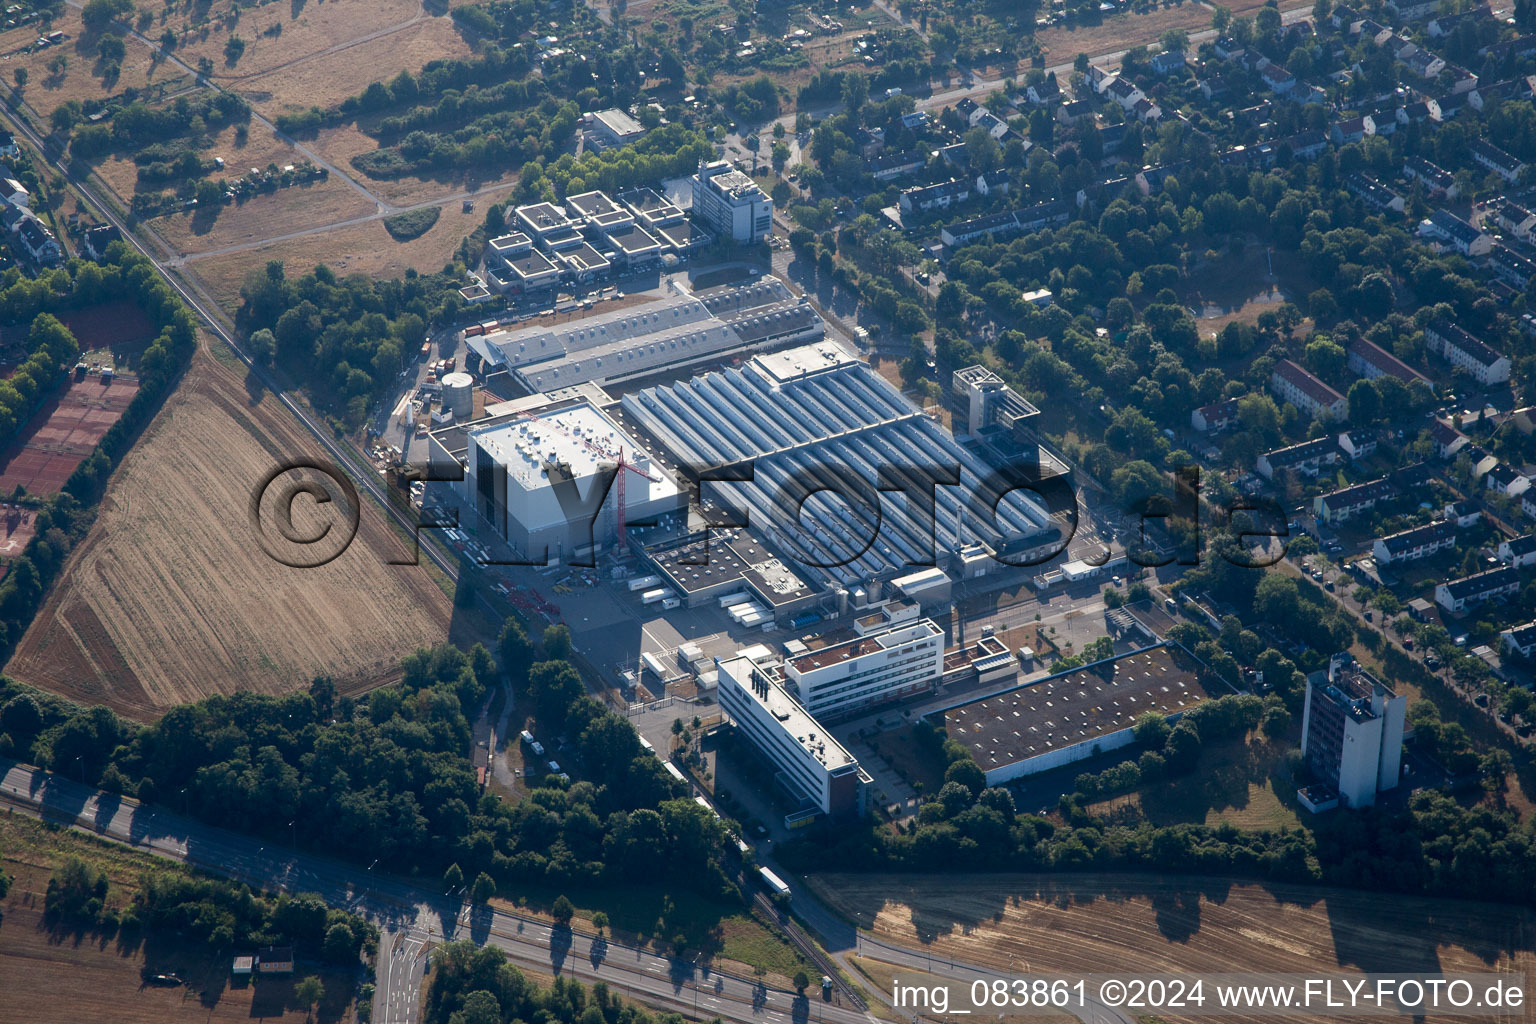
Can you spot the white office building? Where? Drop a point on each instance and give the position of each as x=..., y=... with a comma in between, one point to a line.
x=1352, y=732
x=867, y=670
x=731, y=203
x=811, y=764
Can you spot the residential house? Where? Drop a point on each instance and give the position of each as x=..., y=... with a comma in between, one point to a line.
x=1506, y=480
x=993, y=183
x=1167, y=62
x=1528, y=503
x=1353, y=130
x=38, y=241
x=1445, y=24
x=1423, y=63
x=1445, y=227
x=1357, y=445
x=1373, y=193
x=970, y=110
x=1052, y=213
x=1438, y=182
x=1305, y=459
x=1279, y=80
x=1043, y=94
x=1514, y=218
x=1214, y=418
x=1463, y=513
x=890, y=166
x=1485, y=154
x=14, y=193
x=8, y=147
x=1519, y=48
x=1515, y=268
x=1370, y=361
x=1448, y=440
x=1414, y=543
x=1479, y=588
x=1486, y=364
x=1518, y=551
x=994, y=125
x=1348, y=502
x=940, y=196
x=1520, y=640
x=98, y=238
x=1293, y=384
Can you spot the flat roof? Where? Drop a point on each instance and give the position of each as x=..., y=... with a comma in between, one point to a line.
x=684, y=234
x=859, y=646
x=792, y=718
x=794, y=363
x=584, y=257
x=543, y=216
x=580, y=436
x=633, y=239
x=734, y=558
x=591, y=204
x=1075, y=707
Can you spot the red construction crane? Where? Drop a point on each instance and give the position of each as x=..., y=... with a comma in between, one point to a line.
x=622, y=464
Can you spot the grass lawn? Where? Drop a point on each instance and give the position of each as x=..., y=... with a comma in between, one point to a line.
x=1243, y=782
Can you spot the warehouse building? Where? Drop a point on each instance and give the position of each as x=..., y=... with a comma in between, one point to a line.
x=533, y=478
x=1073, y=715
x=812, y=766
x=669, y=333
x=815, y=420
x=708, y=567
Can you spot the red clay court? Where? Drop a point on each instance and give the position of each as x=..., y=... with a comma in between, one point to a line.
x=62, y=434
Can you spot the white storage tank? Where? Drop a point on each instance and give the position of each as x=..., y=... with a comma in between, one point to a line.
x=459, y=395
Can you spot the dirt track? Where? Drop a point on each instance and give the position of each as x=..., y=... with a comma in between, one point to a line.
x=169, y=598
x=1132, y=924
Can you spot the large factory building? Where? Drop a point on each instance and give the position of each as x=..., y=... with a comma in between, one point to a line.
x=534, y=479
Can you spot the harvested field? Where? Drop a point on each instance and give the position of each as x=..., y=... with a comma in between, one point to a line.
x=168, y=599
x=261, y=148
x=325, y=80
x=315, y=29
x=1138, y=924
x=1121, y=32
x=102, y=974
x=364, y=248
x=63, y=433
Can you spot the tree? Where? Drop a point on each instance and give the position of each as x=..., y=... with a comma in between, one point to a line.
x=20, y=75
x=483, y=889
x=557, y=642
x=801, y=980
x=562, y=910
x=600, y=921
x=453, y=877
x=514, y=650
x=263, y=346
x=340, y=944
x=968, y=773
x=855, y=92
x=1364, y=403
x=1221, y=18
x=309, y=992
x=98, y=14
x=1151, y=729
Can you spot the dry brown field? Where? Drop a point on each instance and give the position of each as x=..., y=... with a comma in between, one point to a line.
x=261, y=148
x=1141, y=924
x=81, y=79
x=363, y=248
x=339, y=145
x=169, y=598
x=270, y=215
x=1121, y=32
x=319, y=28
x=328, y=79
x=50, y=976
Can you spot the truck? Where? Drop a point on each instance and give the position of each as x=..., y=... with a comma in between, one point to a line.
x=426, y=349
x=652, y=596
x=643, y=583
x=773, y=882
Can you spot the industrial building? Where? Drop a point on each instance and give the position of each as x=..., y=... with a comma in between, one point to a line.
x=838, y=676
x=723, y=563
x=1073, y=715
x=667, y=334
x=533, y=477
x=813, y=767
x=1352, y=732
x=731, y=203
x=814, y=421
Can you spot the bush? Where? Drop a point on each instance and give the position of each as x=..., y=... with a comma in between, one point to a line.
x=403, y=227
